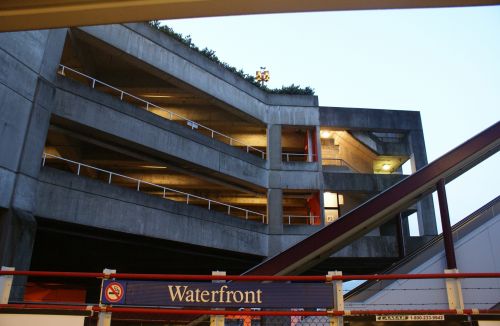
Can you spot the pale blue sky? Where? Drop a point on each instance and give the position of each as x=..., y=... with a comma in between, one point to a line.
x=444, y=63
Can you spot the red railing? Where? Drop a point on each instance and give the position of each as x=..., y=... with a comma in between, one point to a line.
x=254, y=278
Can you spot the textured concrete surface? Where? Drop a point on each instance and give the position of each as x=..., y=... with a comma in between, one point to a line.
x=67, y=197
x=31, y=94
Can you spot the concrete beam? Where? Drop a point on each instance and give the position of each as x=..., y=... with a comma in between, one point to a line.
x=366, y=183
x=369, y=119
x=15, y=15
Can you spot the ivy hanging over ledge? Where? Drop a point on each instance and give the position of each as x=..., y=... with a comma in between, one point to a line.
x=210, y=54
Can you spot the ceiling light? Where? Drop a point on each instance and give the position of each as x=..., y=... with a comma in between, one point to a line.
x=386, y=167
x=153, y=167
x=325, y=133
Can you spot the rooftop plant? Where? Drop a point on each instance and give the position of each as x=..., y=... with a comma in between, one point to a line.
x=210, y=54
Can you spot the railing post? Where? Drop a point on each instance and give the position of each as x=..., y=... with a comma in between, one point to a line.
x=147, y=106
x=121, y=95
x=44, y=158
x=78, y=170
x=228, y=210
x=246, y=215
x=338, y=298
x=454, y=291
x=209, y=202
x=93, y=83
x=217, y=320
x=138, y=184
x=104, y=318
x=110, y=175
x=187, y=199
x=6, y=285
x=289, y=218
x=449, y=248
x=164, y=192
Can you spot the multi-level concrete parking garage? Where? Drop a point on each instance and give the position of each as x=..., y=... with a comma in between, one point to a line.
x=125, y=143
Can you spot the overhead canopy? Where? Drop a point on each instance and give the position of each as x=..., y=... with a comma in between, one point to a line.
x=41, y=14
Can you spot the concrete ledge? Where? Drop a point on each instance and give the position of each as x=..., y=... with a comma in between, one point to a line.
x=360, y=182
x=66, y=197
x=369, y=119
x=300, y=166
x=364, y=247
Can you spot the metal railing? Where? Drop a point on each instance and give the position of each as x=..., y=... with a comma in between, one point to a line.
x=338, y=162
x=337, y=306
x=139, y=182
x=308, y=219
x=148, y=106
x=299, y=157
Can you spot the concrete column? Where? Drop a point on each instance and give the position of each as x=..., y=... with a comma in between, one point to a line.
x=17, y=236
x=274, y=146
x=425, y=207
x=320, y=171
x=274, y=193
x=26, y=96
x=275, y=218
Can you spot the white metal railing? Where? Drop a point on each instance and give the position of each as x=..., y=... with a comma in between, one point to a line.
x=302, y=157
x=148, y=105
x=309, y=219
x=338, y=162
x=210, y=202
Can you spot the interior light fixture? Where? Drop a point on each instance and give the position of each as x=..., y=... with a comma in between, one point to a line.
x=153, y=167
x=157, y=96
x=325, y=133
x=386, y=167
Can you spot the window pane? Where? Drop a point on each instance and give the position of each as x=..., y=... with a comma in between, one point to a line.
x=330, y=199
x=331, y=215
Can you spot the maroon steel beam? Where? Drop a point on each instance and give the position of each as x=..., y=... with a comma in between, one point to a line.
x=449, y=248
x=381, y=208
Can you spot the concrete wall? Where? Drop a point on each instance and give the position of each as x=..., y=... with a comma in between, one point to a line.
x=28, y=62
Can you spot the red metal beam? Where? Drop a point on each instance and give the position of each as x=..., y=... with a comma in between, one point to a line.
x=255, y=278
x=164, y=311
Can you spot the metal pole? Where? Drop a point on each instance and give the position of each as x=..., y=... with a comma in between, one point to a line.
x=449, y=248
x=218, y=320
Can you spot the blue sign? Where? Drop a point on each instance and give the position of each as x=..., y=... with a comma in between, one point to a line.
x=218, y=295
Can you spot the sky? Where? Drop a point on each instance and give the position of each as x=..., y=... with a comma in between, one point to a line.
x=444, y=63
